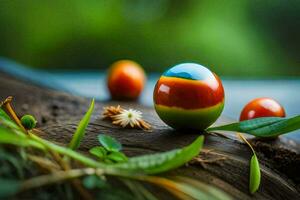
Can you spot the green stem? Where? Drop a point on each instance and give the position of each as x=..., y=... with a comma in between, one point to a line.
x=68, y=152
x=58, y=177
x=246, y=141
x=7, y=105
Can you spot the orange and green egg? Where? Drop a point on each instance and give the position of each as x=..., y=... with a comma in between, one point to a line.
x=189, y=96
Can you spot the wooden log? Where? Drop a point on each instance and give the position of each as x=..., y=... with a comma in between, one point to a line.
x=224, y=161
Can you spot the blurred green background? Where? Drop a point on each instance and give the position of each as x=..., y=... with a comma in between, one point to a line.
x=242, y=38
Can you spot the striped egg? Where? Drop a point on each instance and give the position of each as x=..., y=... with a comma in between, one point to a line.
x=189, y=96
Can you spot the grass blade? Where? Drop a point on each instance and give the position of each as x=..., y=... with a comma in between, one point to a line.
x=146, y=193
x=7, y=136
x=185, y=188
x=80, y=131
x=211, y=192
x=67, y=152
x=6, y=121
x=15, y=161
x=161, y=162
x=263, y=127
x=135, y=189
x=4, y=115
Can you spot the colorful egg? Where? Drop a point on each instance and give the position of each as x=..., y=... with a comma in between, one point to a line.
x=189, y=96
x=126, y=80
x=262, y=107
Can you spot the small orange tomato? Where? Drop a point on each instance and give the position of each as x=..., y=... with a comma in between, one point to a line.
x=262, y=107
x=126, y=80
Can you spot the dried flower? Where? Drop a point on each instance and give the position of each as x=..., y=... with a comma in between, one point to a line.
x=110, y=111
x=125, y=118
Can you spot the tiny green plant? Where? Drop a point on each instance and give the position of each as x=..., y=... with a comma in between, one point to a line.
x=109, y=143
x=110, y=151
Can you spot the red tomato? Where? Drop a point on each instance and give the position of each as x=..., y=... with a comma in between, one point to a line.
x=126, y=80
x=262, y=107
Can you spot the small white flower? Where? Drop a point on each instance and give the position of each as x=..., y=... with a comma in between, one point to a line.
x=128, y=117
x=125, y=118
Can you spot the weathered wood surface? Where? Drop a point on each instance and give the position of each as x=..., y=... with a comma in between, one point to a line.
x=226, y=163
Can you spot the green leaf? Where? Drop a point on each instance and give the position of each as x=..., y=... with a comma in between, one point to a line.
x=98, y=151
x=254, y=174
x=108, y=161
x=12, y=125
x=93, y=181
x=161, y=162
x=263, y=127
x=67, y=152
x=109, y=143
x=80, y=131
x=4, y=115
x=117, y=157
x=9, y=187
x=8, y=137
x=6, y=121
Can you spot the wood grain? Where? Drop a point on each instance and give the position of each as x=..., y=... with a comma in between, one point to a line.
x=224, y=161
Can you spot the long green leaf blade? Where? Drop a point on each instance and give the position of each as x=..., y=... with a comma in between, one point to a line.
x=207, y=191
x=6, y=121
x=186, y=188
x=247, y=125
x=80, y=131
x=68, y=152
x=263, y=127
x=7, y=136
x=278, y=128
x=4, y=115
x=161, y=162
x=254, y=175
